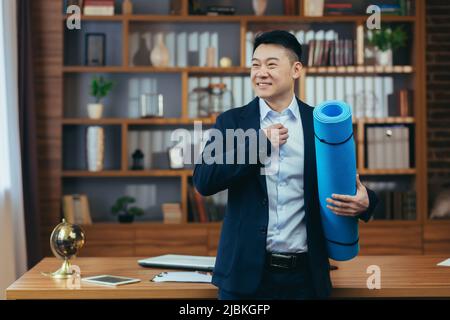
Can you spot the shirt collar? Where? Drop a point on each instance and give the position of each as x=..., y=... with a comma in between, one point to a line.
x=264, y=108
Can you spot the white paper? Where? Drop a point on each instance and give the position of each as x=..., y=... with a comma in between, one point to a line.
x=445, y=263
x=183, y=276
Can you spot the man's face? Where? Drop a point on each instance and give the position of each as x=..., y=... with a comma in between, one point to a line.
x=272, y=72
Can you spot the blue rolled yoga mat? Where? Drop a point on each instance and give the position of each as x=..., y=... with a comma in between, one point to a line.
x=336, y=173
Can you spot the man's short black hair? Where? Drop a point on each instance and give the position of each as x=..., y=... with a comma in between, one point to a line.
x=282, y=38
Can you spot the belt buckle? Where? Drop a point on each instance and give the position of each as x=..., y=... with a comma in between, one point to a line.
x=280, y=256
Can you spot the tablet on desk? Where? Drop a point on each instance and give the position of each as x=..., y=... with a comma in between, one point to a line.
x=109, y=280
x=177, y=261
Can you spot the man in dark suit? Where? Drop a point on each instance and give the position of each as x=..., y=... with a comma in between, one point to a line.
x=272, y=244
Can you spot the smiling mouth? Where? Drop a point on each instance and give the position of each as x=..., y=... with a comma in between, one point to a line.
x=263, y=84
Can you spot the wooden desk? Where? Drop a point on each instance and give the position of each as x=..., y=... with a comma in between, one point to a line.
x=401, y=276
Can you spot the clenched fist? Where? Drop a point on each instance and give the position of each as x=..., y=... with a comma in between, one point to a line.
x=277, y=134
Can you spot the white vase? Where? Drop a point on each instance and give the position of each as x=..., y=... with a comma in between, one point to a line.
x=95, y=110
x=383, y=58
x=95, y=147
x=160, y=54
x=259, y=6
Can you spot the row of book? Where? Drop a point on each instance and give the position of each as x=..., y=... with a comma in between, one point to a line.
x=320, y=47
x=186, y=48
x=241, y=90
x=331, y=52
x=395, y=205
x=388, y=147
x=204, y=209
x=339, y=7
x=368, y=96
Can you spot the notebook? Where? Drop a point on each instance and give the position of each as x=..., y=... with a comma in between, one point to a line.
x=185, y=276
x=177, y=261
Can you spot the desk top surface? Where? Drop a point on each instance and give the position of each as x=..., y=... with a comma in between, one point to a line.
x=401, y=276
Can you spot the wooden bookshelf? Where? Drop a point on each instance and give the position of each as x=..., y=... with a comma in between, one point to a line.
x=128, y=173
x=128, y=121
x=147, y=238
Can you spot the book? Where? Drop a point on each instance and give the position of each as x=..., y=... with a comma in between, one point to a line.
x=192, y=205
x=98, y=7
x=337, y=9
x=289, y=7
x=183, y=276
x=370, y=148
x=199, y=205
x=214, y=42
x=202, y=46
x=181, y=52
x=405, y=148
x=309, y=37
x=400, y=103
x=310, y=96
x=172, y=213
x=170, y=44
x=329, y=85
x=237, y=88
x=409, y=205
x=68, y=3
x=220, y=10
x=397, y=208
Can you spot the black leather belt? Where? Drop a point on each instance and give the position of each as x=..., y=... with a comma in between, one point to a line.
x=286, y=261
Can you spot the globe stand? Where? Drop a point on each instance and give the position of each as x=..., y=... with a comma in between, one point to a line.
x=62, y=273
x=65, y=241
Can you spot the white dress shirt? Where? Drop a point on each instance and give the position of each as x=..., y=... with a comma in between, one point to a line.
x=287, y=228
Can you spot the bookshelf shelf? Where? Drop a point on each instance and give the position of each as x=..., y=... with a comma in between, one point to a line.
x=188, y=173
x=388, y=120
x=239, y=70
x=241, y=18
x=205, y=121
x=359, y=69
x=127, y=121
x=386, y=172
x=126, y=173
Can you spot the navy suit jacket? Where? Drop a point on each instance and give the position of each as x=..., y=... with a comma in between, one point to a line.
x=242, y=245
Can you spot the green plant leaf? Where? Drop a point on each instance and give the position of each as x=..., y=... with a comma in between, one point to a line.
x=386, y=38
x=100, y=88
x=136, y=211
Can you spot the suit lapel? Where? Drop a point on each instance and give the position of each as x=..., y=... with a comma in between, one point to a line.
x=309, y=153
x=250, y=119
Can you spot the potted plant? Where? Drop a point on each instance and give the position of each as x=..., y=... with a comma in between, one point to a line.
x=99, y=89
x=385, y=42
x=125, y=213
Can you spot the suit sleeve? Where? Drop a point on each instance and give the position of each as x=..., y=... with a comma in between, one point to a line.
x=373, y=201
x=211, y=178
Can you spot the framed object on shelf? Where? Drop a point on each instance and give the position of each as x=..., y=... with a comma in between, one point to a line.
x=76, y=209
x=95, y=49
x=172, y=213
